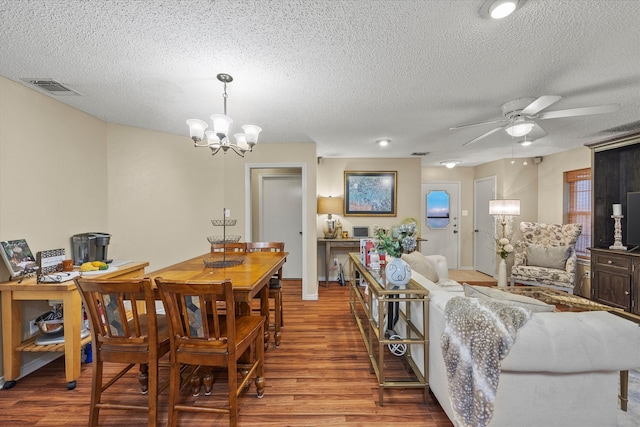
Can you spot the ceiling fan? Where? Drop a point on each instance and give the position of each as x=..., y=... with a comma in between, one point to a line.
x=520, y=115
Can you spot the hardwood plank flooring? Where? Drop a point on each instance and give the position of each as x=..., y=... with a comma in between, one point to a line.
x=318, y=376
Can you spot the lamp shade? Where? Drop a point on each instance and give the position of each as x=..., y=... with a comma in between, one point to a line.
x=330, y=205
x=504, y=207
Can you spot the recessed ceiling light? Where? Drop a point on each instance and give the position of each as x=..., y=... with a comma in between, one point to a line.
x=502, y=8
x=450, y=163
x=383, y=142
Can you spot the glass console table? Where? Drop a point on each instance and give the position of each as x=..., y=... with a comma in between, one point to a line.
x=394, y=324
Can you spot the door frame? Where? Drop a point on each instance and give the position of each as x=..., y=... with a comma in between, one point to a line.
x=247, y=209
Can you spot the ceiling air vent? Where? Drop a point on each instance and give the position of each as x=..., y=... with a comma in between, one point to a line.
x=52, y=87
x=423, y=153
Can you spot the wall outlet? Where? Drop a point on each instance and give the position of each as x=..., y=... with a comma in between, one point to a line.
x=335, y=262
x=33, y=327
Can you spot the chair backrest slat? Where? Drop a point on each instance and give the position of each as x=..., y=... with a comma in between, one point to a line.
x=112, y=308
x=194, y=313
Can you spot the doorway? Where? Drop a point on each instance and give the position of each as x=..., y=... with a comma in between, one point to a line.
x=484, y=253
x=274, y=207
x=439, y=221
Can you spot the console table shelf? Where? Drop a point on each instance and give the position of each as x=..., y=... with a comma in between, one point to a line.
x=371, y=301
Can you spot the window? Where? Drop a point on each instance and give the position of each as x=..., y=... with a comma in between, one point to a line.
x=579, y=207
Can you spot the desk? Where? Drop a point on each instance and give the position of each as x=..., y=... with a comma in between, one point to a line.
x=249, y=279
x=336, y=243
x=13, y=293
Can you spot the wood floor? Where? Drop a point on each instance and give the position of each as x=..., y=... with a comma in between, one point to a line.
x=318, y=376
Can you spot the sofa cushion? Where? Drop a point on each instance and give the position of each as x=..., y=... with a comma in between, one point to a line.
x=420, y=264
x=548, y=256
x=492, y=294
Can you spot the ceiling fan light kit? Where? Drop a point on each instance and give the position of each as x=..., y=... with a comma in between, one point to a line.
x=502, y=8
x=520, y=127
x=218, y=137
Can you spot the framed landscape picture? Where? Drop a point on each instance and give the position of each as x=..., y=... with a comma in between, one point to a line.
x=370, y=193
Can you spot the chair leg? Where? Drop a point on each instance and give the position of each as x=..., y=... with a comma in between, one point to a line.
x=277, y=317
x=96, y=391
x=143, y=378
x=232, y=373
x=260, y=371
x=174, y=392
x=153, y=394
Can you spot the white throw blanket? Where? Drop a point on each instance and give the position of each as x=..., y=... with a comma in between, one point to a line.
x=478, y=334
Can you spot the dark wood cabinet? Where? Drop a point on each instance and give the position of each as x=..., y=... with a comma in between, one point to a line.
x=615, y=277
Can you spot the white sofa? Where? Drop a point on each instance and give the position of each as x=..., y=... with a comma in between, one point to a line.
x=563, y=369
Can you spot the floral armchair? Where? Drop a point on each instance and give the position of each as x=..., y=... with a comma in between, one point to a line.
x=546, y=255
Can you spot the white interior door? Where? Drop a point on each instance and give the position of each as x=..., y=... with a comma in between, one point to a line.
x=484, y=246
x=281, y=218
x=439, y=221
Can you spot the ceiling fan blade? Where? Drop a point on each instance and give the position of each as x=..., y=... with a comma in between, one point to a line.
x=484, y=135
x=478, y=124
x=540, y=104
x=582, y=111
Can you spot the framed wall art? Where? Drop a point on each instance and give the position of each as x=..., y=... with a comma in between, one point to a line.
x=370, y=193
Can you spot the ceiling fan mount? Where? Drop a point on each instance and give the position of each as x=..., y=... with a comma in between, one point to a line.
x=513, y=109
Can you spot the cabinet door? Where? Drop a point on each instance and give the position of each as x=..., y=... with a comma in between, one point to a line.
x=613, y=288
x=635, y=290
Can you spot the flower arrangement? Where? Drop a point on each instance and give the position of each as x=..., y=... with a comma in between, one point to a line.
x=504, y=247
x=404, y=240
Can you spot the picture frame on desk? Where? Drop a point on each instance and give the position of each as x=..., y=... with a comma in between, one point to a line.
x=18, y=257
x=370, y=193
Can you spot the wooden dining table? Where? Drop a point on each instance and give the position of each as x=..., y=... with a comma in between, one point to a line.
x=249, y=279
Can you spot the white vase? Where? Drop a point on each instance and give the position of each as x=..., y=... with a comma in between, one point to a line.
x=397, y=272
x=502, y=273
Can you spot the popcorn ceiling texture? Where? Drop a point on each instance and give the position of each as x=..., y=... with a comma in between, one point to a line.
x=339, y=73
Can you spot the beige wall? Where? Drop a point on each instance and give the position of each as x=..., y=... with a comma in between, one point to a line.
x=63, y=172
x=331, y=183
x=53, y=180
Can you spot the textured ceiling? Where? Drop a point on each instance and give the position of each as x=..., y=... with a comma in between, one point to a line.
x=342, y=74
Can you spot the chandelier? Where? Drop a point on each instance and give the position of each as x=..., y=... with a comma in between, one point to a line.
x=218, y=138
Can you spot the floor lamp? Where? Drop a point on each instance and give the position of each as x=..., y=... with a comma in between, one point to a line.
x=503, y=210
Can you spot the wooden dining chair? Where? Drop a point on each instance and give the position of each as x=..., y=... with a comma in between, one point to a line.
x=275, y=286
x=125, y=329
x=201, y=336
x=239, y=247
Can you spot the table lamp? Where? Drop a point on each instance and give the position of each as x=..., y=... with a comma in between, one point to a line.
x=330, y=205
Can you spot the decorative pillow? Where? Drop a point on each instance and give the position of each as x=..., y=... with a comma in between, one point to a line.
x=419, y=263
x=548, y=256
x=493, y=294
